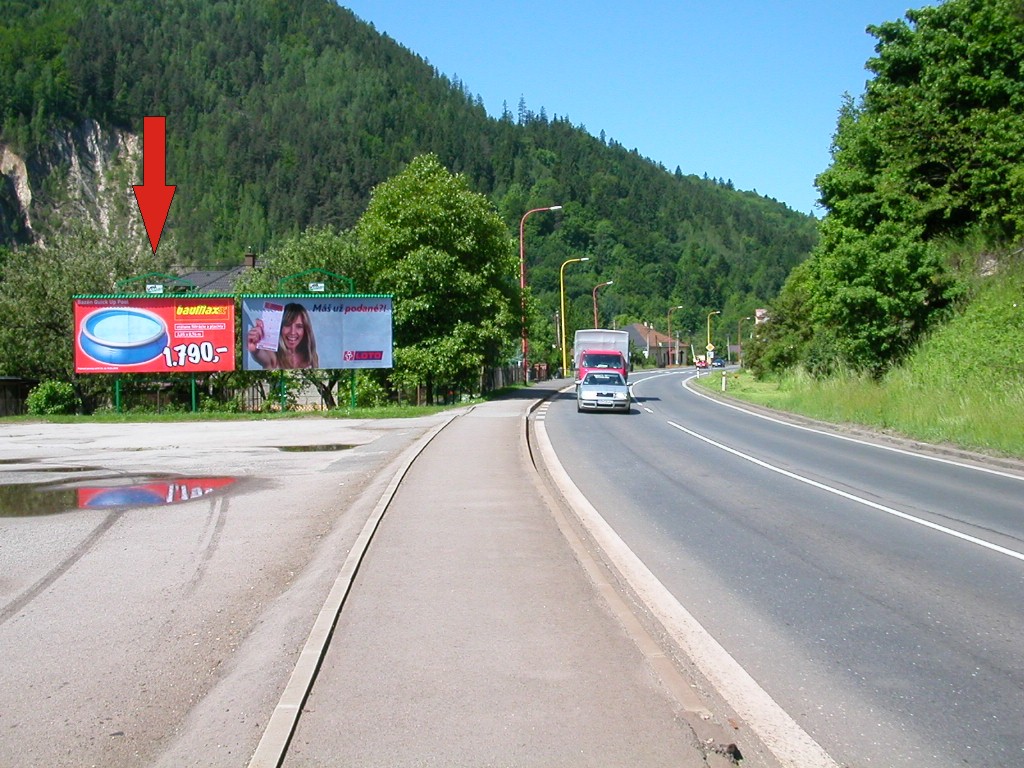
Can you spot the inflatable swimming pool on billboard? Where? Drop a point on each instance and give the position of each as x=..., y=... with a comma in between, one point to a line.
x=123, y=335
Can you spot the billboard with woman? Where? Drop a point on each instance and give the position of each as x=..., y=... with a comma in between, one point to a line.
x=318, y=332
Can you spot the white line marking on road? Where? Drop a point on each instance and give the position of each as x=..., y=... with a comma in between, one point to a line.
x=779, y=732
x=852, y=497
x=941, y=460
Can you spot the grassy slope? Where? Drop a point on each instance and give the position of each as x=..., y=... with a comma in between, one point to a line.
x=964, y=385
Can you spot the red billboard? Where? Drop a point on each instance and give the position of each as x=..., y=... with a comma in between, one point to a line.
x=167, y=334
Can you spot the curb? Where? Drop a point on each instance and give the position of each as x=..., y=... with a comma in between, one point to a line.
x=280, y=728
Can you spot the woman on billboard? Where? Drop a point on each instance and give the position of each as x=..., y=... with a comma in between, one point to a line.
x=296, y=346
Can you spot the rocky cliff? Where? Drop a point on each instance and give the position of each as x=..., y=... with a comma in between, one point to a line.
x=83, y=173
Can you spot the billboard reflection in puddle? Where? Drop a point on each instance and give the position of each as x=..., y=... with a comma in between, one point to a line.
x=151, y=494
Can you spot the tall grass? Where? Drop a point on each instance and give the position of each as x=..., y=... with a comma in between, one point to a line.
x=989, y=420
x=963, y=386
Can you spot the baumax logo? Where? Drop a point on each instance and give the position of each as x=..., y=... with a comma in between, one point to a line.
x=200, y=309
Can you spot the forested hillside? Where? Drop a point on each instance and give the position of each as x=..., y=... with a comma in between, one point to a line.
x=283, y=115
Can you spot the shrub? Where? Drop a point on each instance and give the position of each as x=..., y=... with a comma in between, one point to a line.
x=50, y=398
x=369, y=394
x=213, y=405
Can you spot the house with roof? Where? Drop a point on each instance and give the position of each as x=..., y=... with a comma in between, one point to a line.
x=659, y=348
x=218, y=280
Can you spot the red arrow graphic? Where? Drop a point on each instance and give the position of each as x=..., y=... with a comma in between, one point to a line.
x=154, y=195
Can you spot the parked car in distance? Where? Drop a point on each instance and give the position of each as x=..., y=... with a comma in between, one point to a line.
x=700, y=362
x=603, y=391
x=718, y=362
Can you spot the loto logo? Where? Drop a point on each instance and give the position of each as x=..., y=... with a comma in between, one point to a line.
x=355, y=355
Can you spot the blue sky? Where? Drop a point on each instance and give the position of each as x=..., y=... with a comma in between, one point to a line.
x=743, y=90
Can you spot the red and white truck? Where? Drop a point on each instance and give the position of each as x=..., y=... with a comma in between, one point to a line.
x=600, y=349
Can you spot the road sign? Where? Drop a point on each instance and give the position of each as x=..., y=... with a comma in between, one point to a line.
x=711, y=347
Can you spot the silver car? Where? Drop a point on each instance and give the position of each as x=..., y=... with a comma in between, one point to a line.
x=602, y=391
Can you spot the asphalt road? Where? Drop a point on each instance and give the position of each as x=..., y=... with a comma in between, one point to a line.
x=875, y=595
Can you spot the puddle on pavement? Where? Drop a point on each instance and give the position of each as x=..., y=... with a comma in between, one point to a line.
x=34, y=499
x=312, y=448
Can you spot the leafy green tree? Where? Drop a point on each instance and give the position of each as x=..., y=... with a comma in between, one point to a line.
x=877, y=293
x=37, y=284
x=947, y=110
x=931, y=153
x=783, y=341
x=316, y=250
x=446, y=256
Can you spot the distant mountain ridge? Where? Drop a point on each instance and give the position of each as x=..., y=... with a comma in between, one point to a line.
x=284, y=115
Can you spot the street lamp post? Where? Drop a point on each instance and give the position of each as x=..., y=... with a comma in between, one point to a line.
x=561, y=283
x=670, y=311
x=709, y=347
x=522, y=281
x=599, y=285
x=739, y=340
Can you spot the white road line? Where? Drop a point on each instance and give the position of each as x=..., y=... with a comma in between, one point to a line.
x=925, y=456
x=791, y=745
x=852, y=497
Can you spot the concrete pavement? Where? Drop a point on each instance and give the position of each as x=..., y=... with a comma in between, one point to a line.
x=473, y=635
